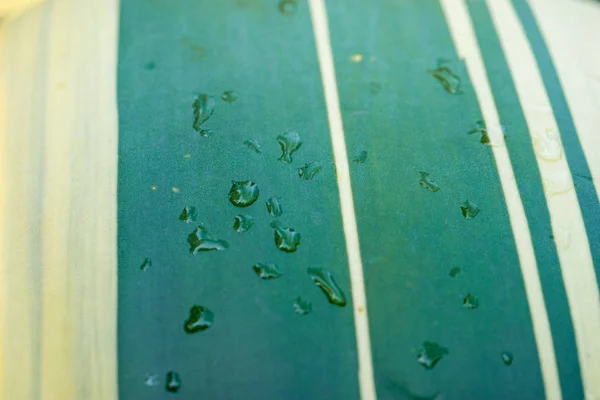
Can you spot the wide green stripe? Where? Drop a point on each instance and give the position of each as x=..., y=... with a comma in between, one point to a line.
x=532, y=194
x=258, y=348
x=410, y=237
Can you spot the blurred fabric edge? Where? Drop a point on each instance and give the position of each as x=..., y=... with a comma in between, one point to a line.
x=9, y=8
x=58, y=161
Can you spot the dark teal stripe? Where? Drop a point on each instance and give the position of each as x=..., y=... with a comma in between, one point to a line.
x=530, y=187
x=584, y=186
x=257, y=348
x=410, y=237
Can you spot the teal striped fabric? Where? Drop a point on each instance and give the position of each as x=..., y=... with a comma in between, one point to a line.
x=442, y=181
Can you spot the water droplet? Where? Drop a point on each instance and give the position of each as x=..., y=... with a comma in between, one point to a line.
x=200, y=319
x=150, y=65
x=204, y=106
x=558, y=183
x=287, y=7
x=323, y=279
x=442, y=61
x=196, y=51
x=482, y=130
x=290, y=142
x=274, y=206
x=356, y=58
x=430, y=354
x=469, y=209
x=253, y=144
x=229, y=96
x=309, y=170
x=375, y=87
x=564, y=240
x=586, y=177
x=454, y=272
x=302, y=307
x=507, y=357
x=205, y=132
x=470, y=302
x=547, y=146
x=173, y=382
x=266, y=271
x=402, y=391
x=151, y=380
x=189, y=214
x=449, y=80
x=427, y=182
x=286, y=239
x=360, y=157
x=146, y=264
x=243, y=193
x=242, y=223
x=199, y=241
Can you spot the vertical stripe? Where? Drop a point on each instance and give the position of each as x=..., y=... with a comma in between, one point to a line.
x=59, y=155
x=567, y=28
x=530, y=186
x=321, y=32
x=467, y=47
x=411, y=238
x=22, y=76
x=164, y=59
x=78, y=215
x=583, y=101
x=567, y=223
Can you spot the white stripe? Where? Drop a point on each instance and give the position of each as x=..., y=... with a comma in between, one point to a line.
x=465, y=41
x=567, y=27
x=567, y=224
x=361, y=322
x=79, y=247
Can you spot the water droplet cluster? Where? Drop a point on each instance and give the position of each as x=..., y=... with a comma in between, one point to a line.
x=244, y=193
x=431, y=353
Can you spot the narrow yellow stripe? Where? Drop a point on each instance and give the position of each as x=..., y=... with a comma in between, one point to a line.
x=568, y=28
x=58, y=130
x=21, y=74
x=361, y=322
x=464, y=38
x=79, y=359
x=567, y=224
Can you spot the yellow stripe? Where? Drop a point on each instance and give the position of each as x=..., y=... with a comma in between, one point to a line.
x=567, y=223
x=465, y=41
x=361, y=322
x=568, y=28
x=12, y=7
x=59, y=131
x=21, y=65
